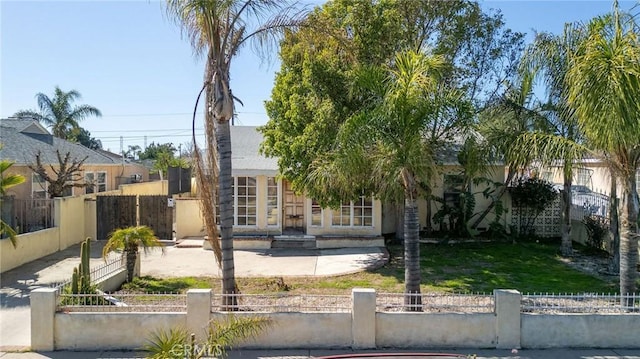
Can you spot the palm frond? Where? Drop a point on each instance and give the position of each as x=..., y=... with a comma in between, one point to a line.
x=224, y=334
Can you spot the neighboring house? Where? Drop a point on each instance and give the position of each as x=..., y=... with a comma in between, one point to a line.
x=22, y=139
x=266, y=205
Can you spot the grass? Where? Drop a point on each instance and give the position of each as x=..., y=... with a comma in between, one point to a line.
x=470, y=267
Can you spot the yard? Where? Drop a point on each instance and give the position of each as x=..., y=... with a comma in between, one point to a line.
x=468, y=268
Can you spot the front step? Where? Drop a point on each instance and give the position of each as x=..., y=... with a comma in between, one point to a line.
x=295, y=244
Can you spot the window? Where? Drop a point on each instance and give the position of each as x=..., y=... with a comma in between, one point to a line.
x=96, y=181
x=453, y=186
x=38, y=186
x=68, y=191
x=583, y=177
x=354, y=214
x=272, y=201
x=245, y=195
x=316, y=214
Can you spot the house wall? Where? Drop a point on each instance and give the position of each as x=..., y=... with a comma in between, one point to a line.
x=115, y=173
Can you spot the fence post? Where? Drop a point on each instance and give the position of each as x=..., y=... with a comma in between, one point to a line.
x=43, y=311
x=507, y=318
x=198, y=311
x=363, y=318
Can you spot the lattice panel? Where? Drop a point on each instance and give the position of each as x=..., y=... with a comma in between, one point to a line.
x=547, y=224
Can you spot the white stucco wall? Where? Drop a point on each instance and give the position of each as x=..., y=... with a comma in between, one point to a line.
x=581, y=331
x=414, y=330
x=301, y=330
x=29, y=247
x=102, y=331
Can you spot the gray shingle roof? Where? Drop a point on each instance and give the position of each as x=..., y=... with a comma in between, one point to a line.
x=245, y=153
x=23, y=138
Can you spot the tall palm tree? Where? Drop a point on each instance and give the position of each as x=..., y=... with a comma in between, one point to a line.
x=503, y=122
x=385, y=148
x=219, y=29
x=604, y=90
x=6, y=182
x=129, y=240
x=59, y=114
x=549, y=56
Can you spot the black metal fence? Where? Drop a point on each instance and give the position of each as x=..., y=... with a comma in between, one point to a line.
x=27, y=215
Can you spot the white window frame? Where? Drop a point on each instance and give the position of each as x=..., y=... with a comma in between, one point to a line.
x=95, y=187
x=247, y=196
x=351, y=209
x=39, y=185
x=270, y=208
x=315, y=205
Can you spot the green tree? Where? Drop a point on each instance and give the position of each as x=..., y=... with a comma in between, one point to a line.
x=604, y=90
x=154, y=151
x=129, y=240
x=219, y=29
x=312, y=95
x=383, y=148
x=7, y=181
x=59, y=113
x=503, y=122
x=84, y=138
x=549, y=56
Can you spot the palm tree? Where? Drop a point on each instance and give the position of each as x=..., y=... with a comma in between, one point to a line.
x=219, y=29
x=129, y=240
x=604, y=90
x=6, y=183
x=59, y=114
x=503, y=122
x=385, y=148
x=549, y=56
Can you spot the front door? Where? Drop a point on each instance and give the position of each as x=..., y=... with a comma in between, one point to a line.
x=293, y=211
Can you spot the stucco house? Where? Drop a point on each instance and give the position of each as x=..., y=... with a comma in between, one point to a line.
x=265, y=205
x=22, y=139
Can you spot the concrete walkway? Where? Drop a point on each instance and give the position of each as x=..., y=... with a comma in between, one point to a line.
x=307, y=354
x=16, y=284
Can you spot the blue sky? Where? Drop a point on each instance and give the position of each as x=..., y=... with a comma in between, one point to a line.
x=127, y=59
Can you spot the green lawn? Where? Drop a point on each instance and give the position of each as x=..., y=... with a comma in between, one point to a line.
x=472, y=267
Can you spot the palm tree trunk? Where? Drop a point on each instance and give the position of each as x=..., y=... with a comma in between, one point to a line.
x=566, y=248
x=629, y=237
x=413, y=298
x=223, y=137
x=132, y=256
x=614, y=223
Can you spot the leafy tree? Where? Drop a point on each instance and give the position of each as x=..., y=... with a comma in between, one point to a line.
x=315, y=89
x=129, y=240
x=59, y=114
x=7, y=181
x=219, y=29
x=503, y=122
x=66, y=175
x=604, y=90
x=382, y=149
x=133, y=152
x=155, y=151
x=84, y=138
x=549, y=56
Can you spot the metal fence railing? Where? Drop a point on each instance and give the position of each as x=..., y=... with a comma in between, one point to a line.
x=580, y=303
x=284, y=302
x=123, y=302
x=438, y=302
x=27, y=215
x=97, y=273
